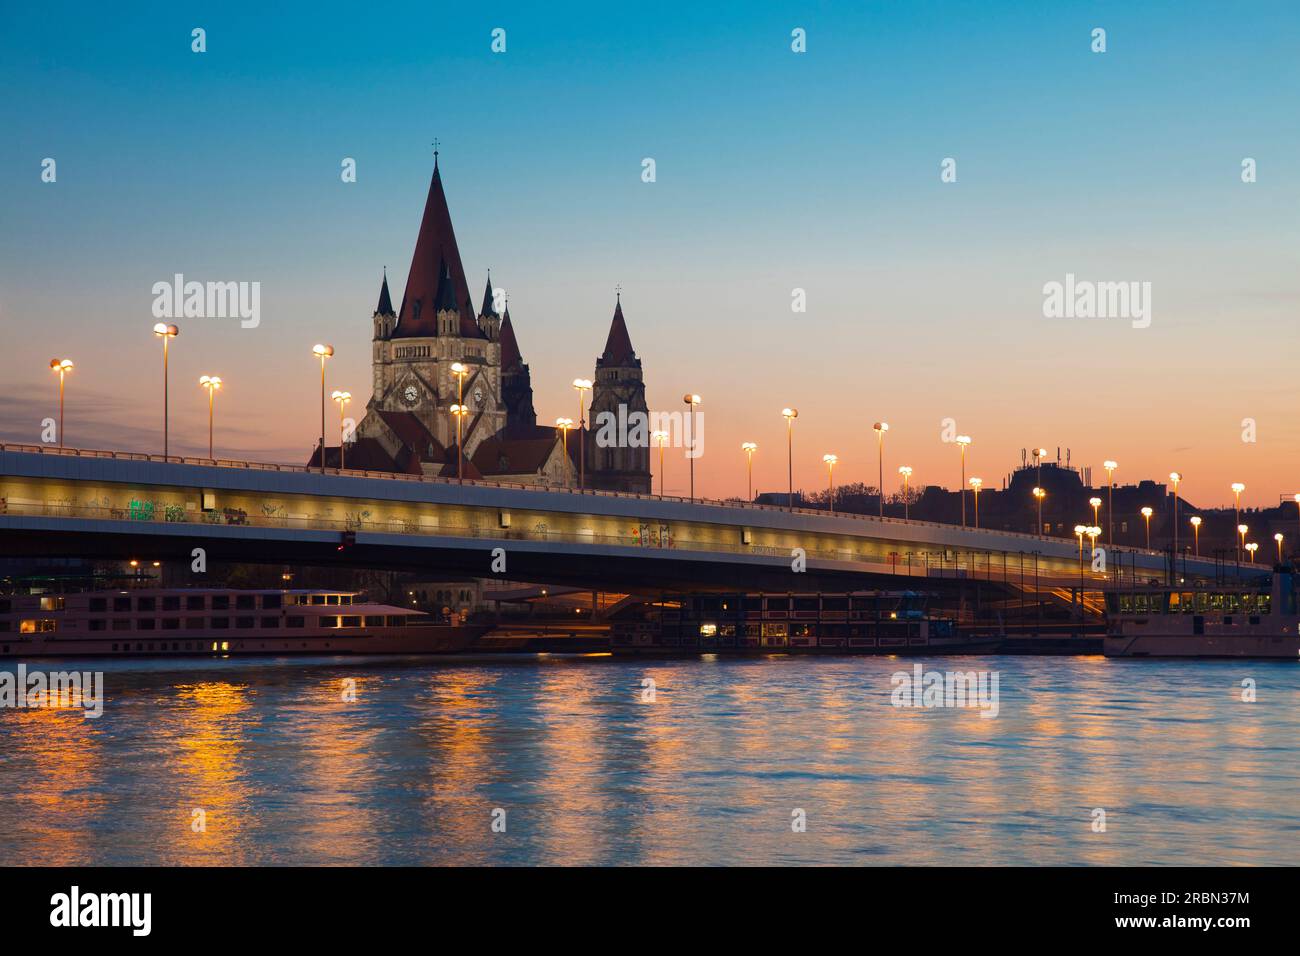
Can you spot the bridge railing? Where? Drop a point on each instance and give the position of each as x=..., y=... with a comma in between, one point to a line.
x=594, y=492
x=983, y=565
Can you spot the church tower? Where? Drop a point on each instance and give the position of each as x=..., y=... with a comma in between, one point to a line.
x=618, y=395
x=415, y=349
x=516, y=382
x=384, y=320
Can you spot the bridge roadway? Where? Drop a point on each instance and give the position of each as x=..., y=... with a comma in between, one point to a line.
x=99, y=504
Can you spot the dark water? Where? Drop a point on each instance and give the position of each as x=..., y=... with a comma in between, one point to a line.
x=710, y=772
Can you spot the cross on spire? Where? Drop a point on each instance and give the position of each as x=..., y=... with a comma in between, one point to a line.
x=435, y=152
x=618, y=292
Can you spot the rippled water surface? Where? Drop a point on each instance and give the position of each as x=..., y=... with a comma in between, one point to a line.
x=709, y=772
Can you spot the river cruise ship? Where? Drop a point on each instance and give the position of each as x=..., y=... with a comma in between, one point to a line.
x=1247, y=619
x=864, y=622
x=155, y=622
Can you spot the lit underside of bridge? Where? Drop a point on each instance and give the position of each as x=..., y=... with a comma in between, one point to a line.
x=121, y=505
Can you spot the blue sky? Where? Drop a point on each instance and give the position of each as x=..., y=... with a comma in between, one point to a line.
x=775, y=170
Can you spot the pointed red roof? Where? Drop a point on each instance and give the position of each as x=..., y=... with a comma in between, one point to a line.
x=510, y=357
x=435, y=252
x=618, y=347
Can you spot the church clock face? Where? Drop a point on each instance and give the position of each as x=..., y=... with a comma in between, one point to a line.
x=409, y=395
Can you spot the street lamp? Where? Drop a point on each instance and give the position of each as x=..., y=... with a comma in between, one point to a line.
x=661, y=437
x=906, y=472
x=963, y=441
x=1146, y=513
x=1278, y=538
x=322, y=352
x=1094, y=533
x=1196, y=534
x=1241, y=540
x=460, y=411
x=342, y=398
x=1096, y=504
x=1039, y=453
x=830, y=475
x=1039, y=495
x=64, y=367
x=1079, y=531
x=691, y=401
x=1237, y=489
x=166, y=333
x=582, y=385
x=1252, y=548
x=1110, y=467
x=749, y=448
x=564, y=424
x=975, y=484
x=790, y=415
x=1175, y=477
x=211, y=383
x=881, y=428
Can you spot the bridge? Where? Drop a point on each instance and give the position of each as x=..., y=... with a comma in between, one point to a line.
x=112, y=504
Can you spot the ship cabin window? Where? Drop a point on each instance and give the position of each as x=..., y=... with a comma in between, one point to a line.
x=396, y=620
x=121, y=604
x=145, y=624
x=835, y=604
x=194, y=602
x=52, y=603
x=195, y=623
x=1264, y=604
x=352, y=621
x=318, y=599
x=753, y=603
x=171, y=602
x=121, y=624
x=294, y=621
x=270, y=622
x=778, y=604
x=99, y=605
x=221, y=602
x=332, y=599
x=374, y=620
x=805, y=604
x=328, y=621
x=270, y=602
x=219, y=623
x=145, y=604
x=246, y=622
x=245, y=602
x=5, y=605
x=171, y=624
x=37, y=626
x=5, y=626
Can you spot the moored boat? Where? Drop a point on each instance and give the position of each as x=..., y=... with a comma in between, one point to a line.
x=1246, y=619
x=208, y=621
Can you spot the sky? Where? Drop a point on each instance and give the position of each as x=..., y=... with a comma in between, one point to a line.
x=775, y=171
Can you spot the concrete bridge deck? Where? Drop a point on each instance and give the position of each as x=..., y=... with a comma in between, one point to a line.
x=123, y=504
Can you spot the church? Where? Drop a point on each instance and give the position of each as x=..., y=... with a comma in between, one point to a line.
x=436, y=357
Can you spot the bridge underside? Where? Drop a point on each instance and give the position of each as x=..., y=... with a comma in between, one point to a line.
x=608, y=569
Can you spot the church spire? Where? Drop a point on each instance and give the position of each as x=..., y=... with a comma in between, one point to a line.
x=510, y=357
x=385, y=306
x=436, y=258
x=618, y=347
x=489, y=307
